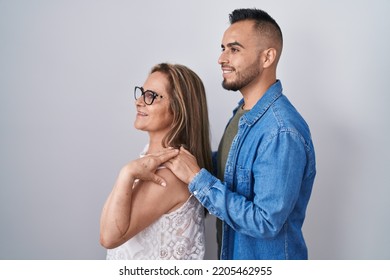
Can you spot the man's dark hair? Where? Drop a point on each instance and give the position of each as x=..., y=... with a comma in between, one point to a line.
x=263, y=22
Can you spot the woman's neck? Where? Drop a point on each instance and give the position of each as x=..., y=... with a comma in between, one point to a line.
x=154, y=146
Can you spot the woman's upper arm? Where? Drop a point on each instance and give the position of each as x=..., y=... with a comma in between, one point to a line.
x=150, y=201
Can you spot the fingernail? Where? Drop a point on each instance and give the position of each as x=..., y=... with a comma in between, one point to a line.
x=163, y=184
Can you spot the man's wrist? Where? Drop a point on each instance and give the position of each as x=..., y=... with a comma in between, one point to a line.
x=194, y=174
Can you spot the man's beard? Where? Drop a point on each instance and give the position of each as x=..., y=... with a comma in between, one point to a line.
x=242, y=79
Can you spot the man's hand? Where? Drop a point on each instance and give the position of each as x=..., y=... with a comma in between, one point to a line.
x=184, y=166
x=145, y=167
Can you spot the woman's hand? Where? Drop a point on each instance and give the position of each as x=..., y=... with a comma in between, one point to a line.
x=144, y=168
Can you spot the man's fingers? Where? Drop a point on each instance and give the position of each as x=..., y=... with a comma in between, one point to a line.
x=182, y=149
x=168, y=164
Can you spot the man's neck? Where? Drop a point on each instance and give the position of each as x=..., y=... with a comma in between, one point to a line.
x=253, y=93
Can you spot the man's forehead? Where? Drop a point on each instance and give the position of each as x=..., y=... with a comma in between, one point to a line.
x=240, y=33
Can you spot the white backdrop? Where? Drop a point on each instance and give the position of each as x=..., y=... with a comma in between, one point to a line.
x=67, y=69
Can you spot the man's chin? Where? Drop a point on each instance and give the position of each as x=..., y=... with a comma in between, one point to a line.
x=228, y=86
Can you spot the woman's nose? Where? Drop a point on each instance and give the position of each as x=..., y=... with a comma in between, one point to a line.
x=140, y=101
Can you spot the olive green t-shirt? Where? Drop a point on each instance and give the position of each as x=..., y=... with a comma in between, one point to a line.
x=223, y=152
x=226, y=142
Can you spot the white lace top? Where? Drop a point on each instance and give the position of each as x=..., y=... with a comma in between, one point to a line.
x=178, y=235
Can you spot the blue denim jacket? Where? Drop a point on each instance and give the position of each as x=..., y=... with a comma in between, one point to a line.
x=267, y=184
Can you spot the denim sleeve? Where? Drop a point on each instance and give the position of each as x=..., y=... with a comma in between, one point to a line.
x=277, y=174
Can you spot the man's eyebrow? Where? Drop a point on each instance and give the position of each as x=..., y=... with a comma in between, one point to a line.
x=235, y=43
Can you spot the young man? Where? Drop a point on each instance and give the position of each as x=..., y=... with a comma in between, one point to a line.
x=266, y=160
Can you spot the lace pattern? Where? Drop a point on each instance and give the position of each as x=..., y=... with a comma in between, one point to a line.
x=178, y=235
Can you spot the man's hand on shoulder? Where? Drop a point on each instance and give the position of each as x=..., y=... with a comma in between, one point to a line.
x=184, y=166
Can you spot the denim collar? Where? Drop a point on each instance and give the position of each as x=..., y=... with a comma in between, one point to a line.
x=269, y=97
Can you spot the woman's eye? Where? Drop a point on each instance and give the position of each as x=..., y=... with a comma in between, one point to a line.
x=149, y=95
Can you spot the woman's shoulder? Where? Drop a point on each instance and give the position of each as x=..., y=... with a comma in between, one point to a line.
x=172, y=181
x=174, y=187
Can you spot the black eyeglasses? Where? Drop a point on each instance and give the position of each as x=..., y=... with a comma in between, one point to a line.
x=149, y=95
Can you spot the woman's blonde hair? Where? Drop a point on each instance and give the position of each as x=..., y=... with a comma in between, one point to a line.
x=190, y=125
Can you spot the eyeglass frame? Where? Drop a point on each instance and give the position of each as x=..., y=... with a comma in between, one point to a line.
x=154, y=94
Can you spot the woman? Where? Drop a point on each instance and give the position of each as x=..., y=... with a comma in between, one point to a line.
x=144, y=220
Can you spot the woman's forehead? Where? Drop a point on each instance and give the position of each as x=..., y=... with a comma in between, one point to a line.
x=157, y=82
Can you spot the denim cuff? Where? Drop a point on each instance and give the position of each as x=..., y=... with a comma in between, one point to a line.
x=201, y=183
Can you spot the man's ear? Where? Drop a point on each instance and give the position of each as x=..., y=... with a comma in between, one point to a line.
x=269, y=56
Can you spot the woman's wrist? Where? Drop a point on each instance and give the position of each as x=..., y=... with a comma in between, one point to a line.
x=126, y=174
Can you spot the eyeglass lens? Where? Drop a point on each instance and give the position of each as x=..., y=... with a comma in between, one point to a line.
x=148, y=95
